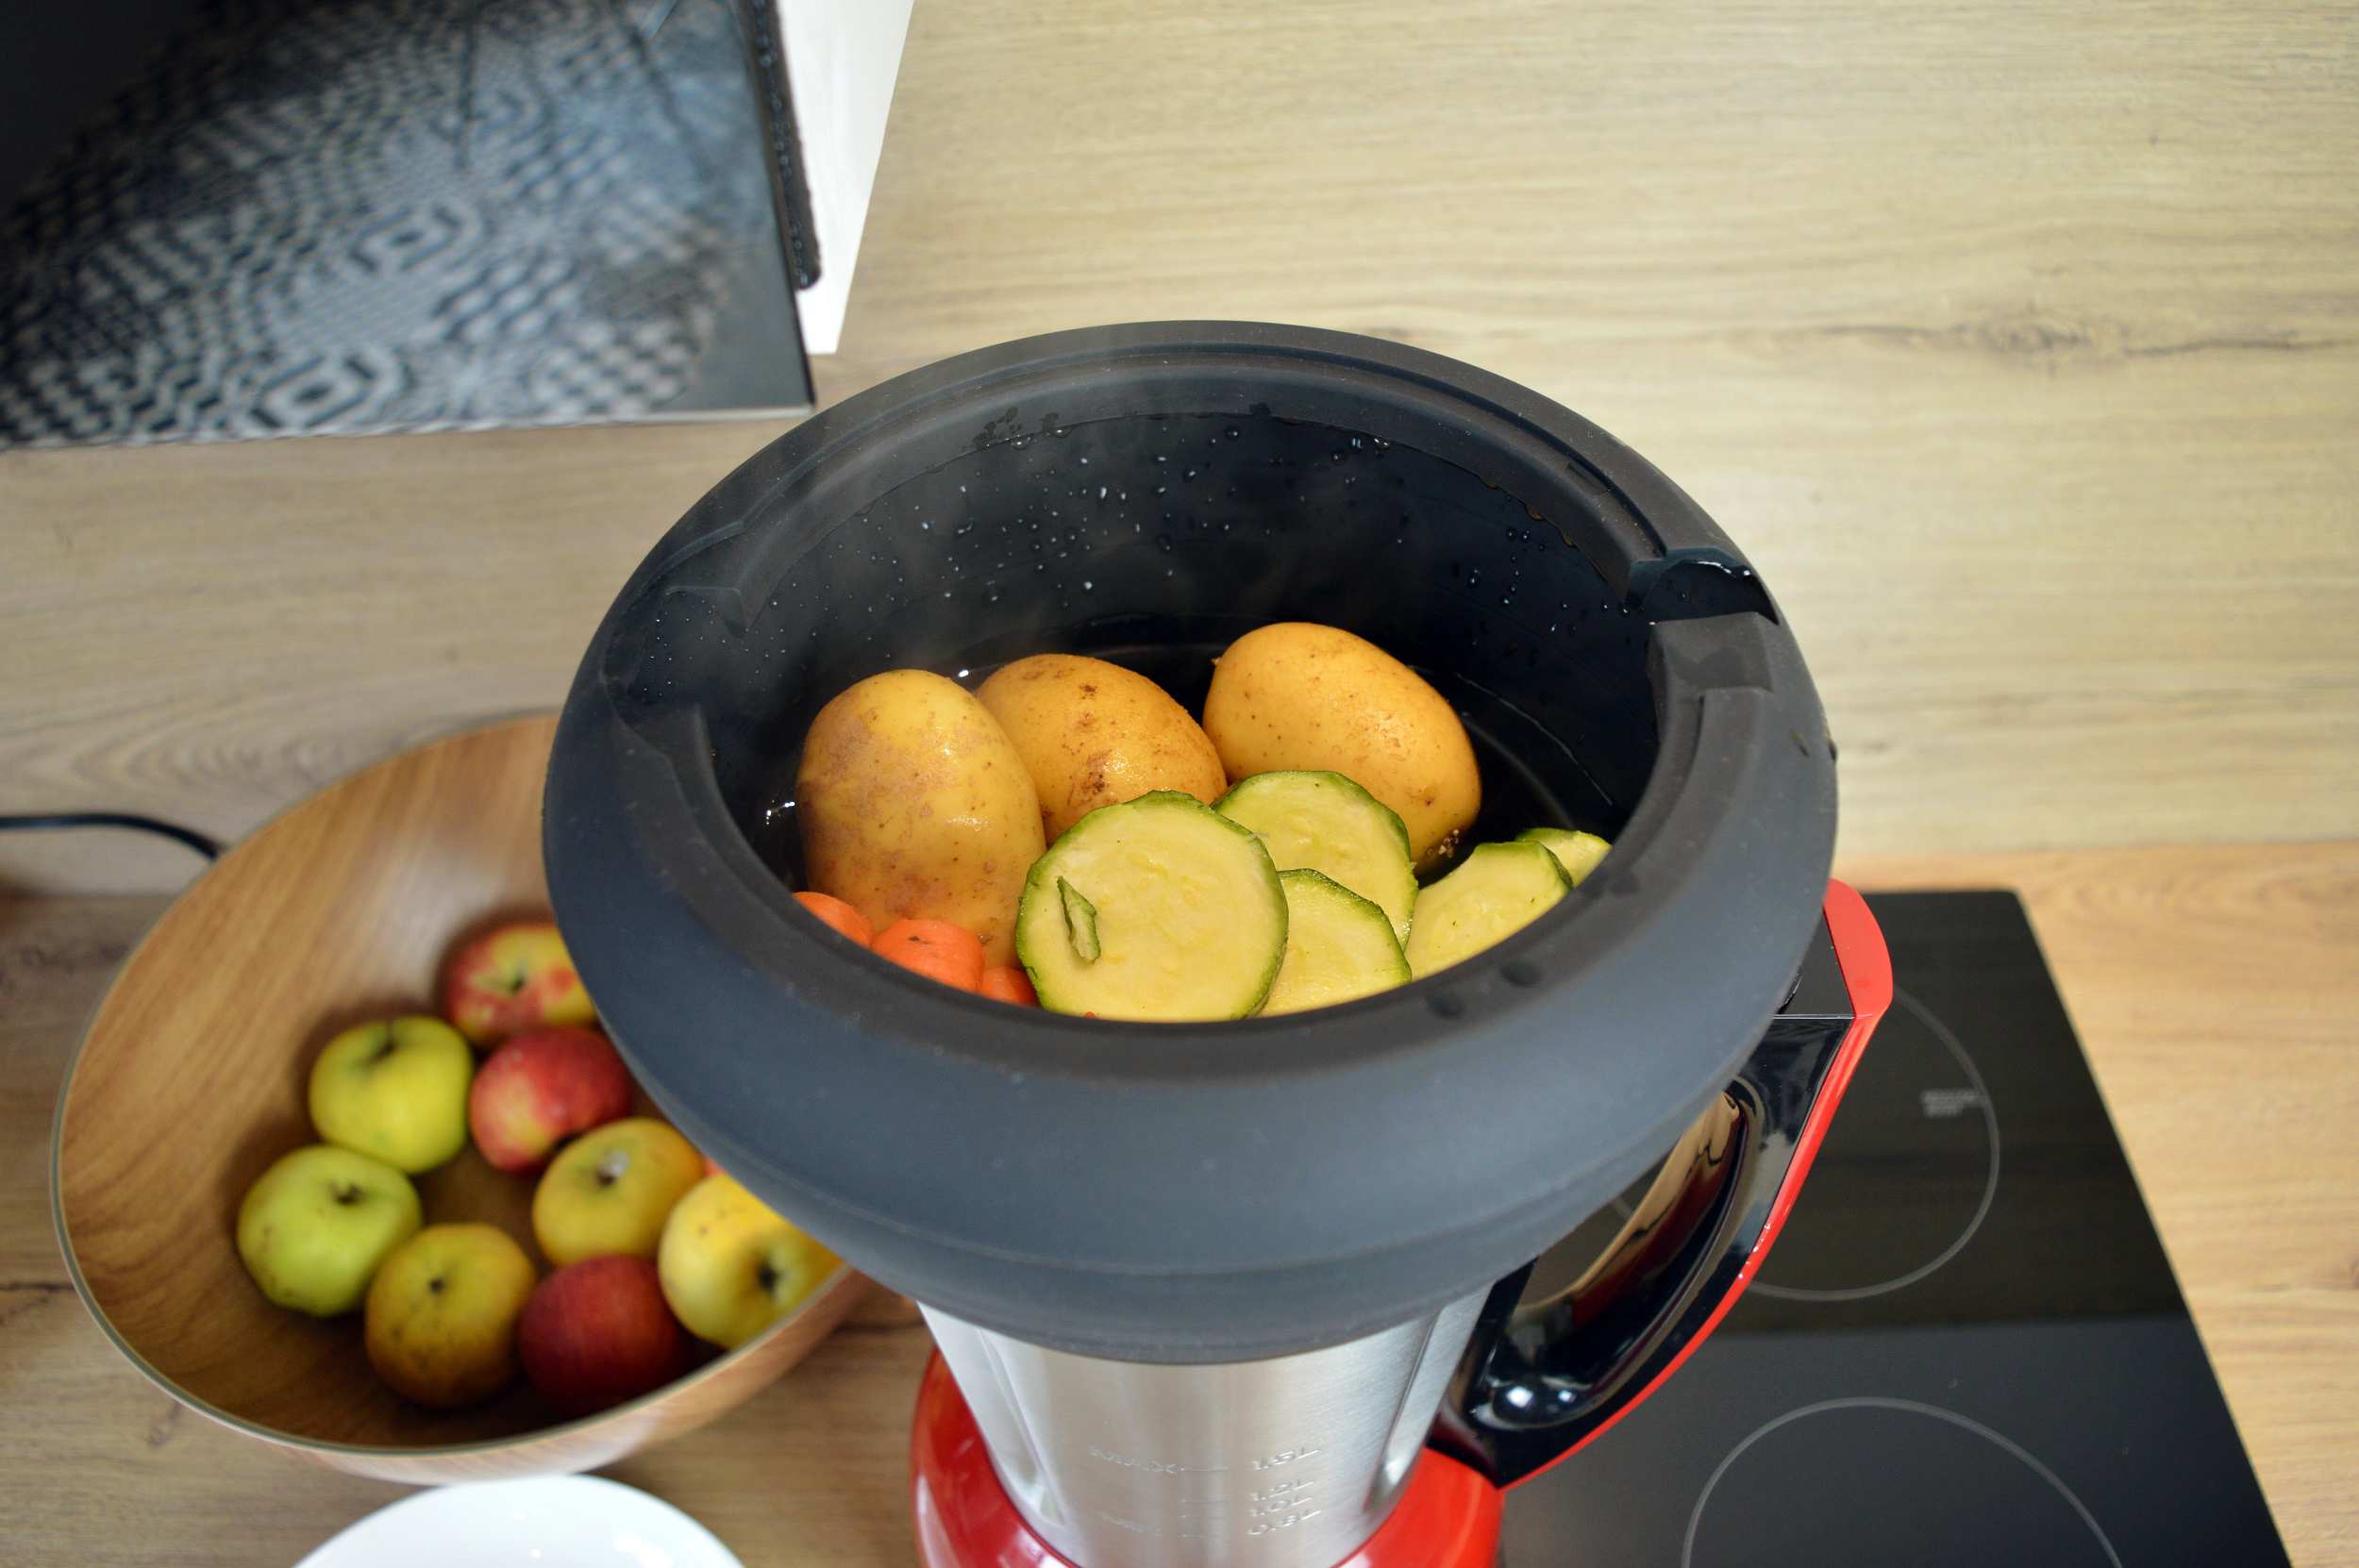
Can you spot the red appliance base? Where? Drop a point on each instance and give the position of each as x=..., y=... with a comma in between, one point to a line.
x=1448, y=1517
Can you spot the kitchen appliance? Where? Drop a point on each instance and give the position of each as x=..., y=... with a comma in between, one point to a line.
x=1201, y=1289
x=1968, y=1349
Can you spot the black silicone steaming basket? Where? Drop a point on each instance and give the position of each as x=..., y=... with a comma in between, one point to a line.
x=1145, y=493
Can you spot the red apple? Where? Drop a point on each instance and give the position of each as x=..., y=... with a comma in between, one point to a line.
x=515, y=978
x=598, y=1333
x=539, y=1090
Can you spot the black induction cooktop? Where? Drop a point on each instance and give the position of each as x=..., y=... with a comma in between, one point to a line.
x=1967, y=1347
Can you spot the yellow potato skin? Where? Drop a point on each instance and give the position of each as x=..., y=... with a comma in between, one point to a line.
x=915, y=805
x=1095, y=734
x=1299, y=695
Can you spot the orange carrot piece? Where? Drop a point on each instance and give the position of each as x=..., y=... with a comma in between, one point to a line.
x=1009, y=984
x=839, y=914
x=934, y=948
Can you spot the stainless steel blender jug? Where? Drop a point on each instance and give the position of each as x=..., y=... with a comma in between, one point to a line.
x=1247, y=1294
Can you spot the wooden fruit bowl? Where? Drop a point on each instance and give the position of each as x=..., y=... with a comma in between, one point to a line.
x=190, y=1081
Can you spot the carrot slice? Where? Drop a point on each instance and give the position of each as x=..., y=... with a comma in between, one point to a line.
x=839, y=914
x=1008, y=984
x=934, y=948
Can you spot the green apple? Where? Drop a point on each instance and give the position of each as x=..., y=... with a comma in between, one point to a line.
x=443, y=1311
x=731, y=1266
x=609, y=1190
x=314, y=1228
x=396, y=1091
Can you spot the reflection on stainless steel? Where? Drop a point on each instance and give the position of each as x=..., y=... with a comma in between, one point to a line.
x=1288, y=1462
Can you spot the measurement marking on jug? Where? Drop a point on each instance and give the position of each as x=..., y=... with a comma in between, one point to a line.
x=1152, y=1467
x=1282, y=1504
x=1272, y=1525
x=1284, y=1491
x=1289, y=1504
x=1131, y=1525
x=1289, y=1456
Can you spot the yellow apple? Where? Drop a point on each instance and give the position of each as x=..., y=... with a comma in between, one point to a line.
x=442, y=1315
x=731, y=1266
x=609, y=1190
x=313, y=1230
x=395, y=1091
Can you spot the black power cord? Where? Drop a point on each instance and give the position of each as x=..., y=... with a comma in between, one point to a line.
x=209, y=848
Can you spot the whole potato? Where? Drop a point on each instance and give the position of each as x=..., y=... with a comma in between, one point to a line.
x=1299, y=695
x=1095, y=734
x=913, y=805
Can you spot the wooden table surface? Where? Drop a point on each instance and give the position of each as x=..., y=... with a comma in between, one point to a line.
x=2018, y=345
x=2217, y=990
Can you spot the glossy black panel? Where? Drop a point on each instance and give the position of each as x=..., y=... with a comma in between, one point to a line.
x=1547, y=1368
x=1888, y=1480
x=2036, y=1394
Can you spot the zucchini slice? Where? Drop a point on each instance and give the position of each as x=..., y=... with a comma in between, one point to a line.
x=1498, y=891
x=1157, y=907
x=1081, y=921
x=1325, y=823
x=1338, y=946
x=1578, y=852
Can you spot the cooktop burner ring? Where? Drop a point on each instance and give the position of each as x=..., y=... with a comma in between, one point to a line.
x=1958, y=1052
x=2061, y=1327
x=1908, y=1406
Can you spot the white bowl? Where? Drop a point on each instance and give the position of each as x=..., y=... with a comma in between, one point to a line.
x=543, y=1522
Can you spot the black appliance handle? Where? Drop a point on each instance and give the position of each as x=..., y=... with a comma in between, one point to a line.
x=1541, y=1378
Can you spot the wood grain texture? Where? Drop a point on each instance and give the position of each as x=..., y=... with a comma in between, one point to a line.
x=2217, y=990
x=208, y=633
x=192, y=1081
x=2018, y=345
